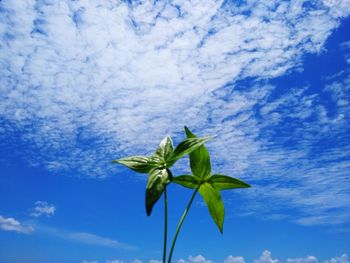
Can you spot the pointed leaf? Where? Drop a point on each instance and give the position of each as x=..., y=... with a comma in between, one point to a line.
x=157, y=180
x=212, y=198
x=165, y=148
x=199, y=159
x=185, y=147
x=186, y=180
x=141, y=164
x=224, y=182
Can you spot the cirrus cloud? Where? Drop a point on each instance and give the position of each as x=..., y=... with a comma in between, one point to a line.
x=112, y=79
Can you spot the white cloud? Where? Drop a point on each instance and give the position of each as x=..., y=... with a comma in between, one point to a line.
x=338, y=8
x=114, y=78
x=342, y=259
x=83, y=237
x=110, y=67
x=266, y=258
x=232, y=259
x=312, y=259
x=198, y=259
x=308, y=259
x=43, y=208
x=134, y=261
x=195, y=259
x=115, y=261
x=93, y=239
x=11, y=224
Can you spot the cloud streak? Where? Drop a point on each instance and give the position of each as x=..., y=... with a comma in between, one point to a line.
x=83, y=237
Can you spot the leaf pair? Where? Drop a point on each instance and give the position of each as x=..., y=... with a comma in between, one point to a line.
x=208, y=185
x=157, y=165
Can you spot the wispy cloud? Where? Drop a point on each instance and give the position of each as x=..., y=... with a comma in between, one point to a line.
x=109, y=68
x=93, y=239
x=83, y=237
x=112, y=79
x=43, y=208
x=11, y=224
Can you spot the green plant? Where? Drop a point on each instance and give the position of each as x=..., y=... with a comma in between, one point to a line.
x=201, y=180
x=157, y=166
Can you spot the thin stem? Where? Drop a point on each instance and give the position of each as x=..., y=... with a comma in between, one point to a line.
x=180, y=224
x=165, y=224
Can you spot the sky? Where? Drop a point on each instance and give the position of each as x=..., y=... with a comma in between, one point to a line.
x=84, y=82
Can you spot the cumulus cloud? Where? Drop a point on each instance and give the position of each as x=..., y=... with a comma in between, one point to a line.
x=266, y=258
x=112, y=79
x=134, y=261
x=308, y=259
x=232, y=259
x=42, y=208
x=195, y=259
x=199, y=259
x=11, y=224
x=114, y=261
x=312, y=259
x=342, y=259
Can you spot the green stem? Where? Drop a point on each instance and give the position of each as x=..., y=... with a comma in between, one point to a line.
x=180, y=224
x=165, y=224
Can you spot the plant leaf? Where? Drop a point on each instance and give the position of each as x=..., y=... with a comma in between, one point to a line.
x=165, y=148
x=186, y=180
x=185, y=147
x=212, y=198
x=157, y=180
x=141, y=164
x=199, y=159
x=224, y=182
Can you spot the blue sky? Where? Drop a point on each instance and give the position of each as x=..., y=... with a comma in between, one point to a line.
x=86, y=82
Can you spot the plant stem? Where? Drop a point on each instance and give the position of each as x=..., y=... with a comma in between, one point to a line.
x=165, y=224
x=180, y=224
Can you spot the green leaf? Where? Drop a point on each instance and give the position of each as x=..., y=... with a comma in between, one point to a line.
x=157, y=180
x=224, y=182
x=165, y=148
x=186, y=180
x=199, y=159
x=212, y=198
x=185, y=147
x=141, y=164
